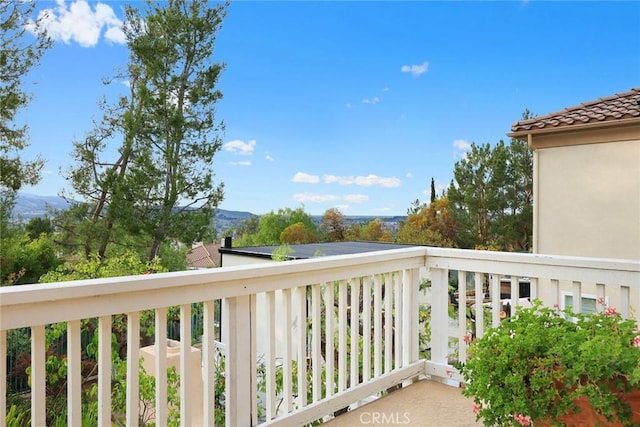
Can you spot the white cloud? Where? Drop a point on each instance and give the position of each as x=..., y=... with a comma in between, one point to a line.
x=240, y=147
x=363, y=181
x=373, y=100
x=268, y=157
x=80, y=24
x=115, y=35
x=462, y=145
x=324, y=198
x=302, y=177
x=356, y=198
x=409, y=175
x=385, y=89
x=315, y=198
x=417, y=69
x=243, y=163
x=461, y=148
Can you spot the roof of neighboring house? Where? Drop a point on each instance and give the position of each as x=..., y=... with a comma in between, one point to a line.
x=312, y=250
x=621, y=106
x=203, y=256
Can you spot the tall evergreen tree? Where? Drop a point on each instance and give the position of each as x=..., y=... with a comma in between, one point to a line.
x=491, y=197
x=161, y=185
x=19, y=53
x=469, y=196
x=433, y=191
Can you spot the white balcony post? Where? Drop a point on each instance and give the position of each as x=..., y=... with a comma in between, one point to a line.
x=415, y=311
x=329, y=336
x=316, y=341
x=342, y=335
x=38, y=376
x=3, y=377
x=439, y=315
x=185, y=365
x=462, y=314
x=133, y=368
x=377, y=325
x=270, y=356
x=388, y=322
x=287, y=383
x=239, y=390
x=354, y=286
x=366, y=328
x=301, y=338
x=74, y=374
x=410, y=332
x=161, y=366
x=479, y=300
x=399, y=308
x=104, y=371
x=208, y=363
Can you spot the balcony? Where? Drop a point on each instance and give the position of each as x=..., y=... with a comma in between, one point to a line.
x=301, y=340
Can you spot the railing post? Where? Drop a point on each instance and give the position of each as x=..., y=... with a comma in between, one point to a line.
x=104, y=371
x=239, y=390
x=186, y=381
x=74, y=373
x=133, y=368
x=38, y=376
x=410, y=332
x=3, y=377
x=439, y=315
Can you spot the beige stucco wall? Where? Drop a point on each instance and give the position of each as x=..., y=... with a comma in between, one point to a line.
x=588, y=200
x=231, y=260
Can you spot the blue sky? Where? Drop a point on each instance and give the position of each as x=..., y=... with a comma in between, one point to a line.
x=354, y=105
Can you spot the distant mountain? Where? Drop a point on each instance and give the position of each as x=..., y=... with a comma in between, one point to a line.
x=224, y=219
x=29, y=206
x=233, y=215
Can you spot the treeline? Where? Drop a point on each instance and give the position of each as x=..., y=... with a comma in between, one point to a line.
x=488, y=205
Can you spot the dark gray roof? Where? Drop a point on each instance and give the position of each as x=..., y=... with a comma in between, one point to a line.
x=313, y=250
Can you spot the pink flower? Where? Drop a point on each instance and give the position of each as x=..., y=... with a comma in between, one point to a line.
x=523, y=420
x=601, y=300
x=448, y=372
x=610, y=311
x=467, y=338
x=556, y=306
x=636, y=341
x=476, y=408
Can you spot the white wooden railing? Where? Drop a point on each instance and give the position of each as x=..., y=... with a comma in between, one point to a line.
x=319, y=334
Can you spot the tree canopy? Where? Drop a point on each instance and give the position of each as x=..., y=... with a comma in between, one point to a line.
x=161, y=184
x=19, y=53
x=491, y=197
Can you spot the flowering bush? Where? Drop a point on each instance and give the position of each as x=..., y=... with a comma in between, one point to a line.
x=537, y=364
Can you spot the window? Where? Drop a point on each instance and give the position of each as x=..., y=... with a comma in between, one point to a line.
x=589, y=302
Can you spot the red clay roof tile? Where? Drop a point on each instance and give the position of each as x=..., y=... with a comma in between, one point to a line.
x=620, y=106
